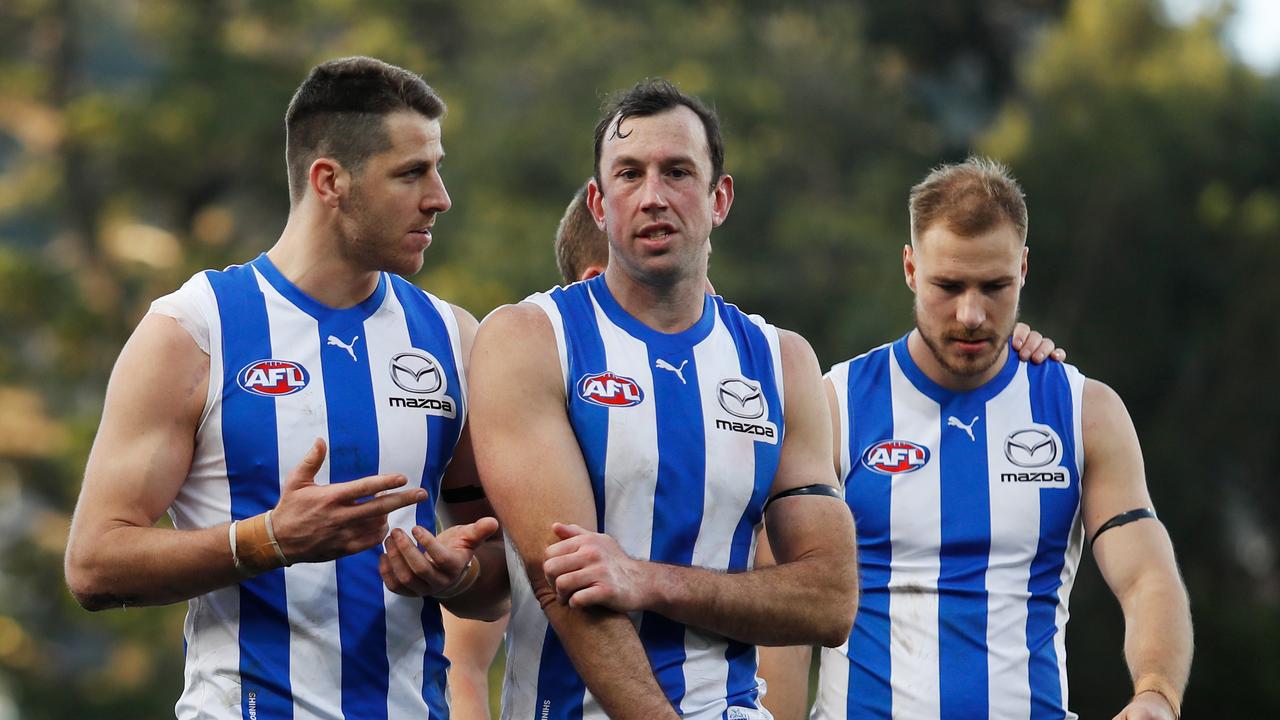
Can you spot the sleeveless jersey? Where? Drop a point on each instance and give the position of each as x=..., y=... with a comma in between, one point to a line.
x=380, y=382
x=681, y=435
x=967, y=506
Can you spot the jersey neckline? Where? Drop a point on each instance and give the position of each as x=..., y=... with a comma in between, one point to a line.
x=316, y=309
x=942, y=395
x=690, y=336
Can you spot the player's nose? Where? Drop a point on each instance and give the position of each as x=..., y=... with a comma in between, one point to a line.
x=969, y=310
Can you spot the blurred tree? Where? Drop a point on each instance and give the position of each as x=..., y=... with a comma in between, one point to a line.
x=143, y=141
x=1147, y=154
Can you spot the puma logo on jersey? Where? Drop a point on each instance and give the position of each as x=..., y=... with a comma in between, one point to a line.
x=679, y=371
x=349, y=347
x=953, y=421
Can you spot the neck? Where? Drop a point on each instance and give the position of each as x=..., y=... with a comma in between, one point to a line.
x=937, y=372
x=308, y=255
x=666, y=308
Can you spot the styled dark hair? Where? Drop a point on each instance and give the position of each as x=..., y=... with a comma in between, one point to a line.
x=972, y=197
x=651, y=97
x=580, y=243
x=338, y=112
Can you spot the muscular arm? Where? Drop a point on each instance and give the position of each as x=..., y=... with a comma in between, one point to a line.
x=140, y=458
x=533, y=472
x=1136, y=559
x=810, y=596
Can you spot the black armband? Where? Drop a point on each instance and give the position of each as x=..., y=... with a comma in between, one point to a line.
x=466, y=493
x=1124, y=518
x=818, y=489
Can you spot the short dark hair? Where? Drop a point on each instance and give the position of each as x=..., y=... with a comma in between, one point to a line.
x=580, y=243
x=972, y=197
x=651, y=97
x=338, y=112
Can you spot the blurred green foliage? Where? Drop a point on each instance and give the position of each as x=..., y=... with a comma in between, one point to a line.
x=143, y=141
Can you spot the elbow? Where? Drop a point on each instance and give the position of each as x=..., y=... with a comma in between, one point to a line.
x=842, y=614
x=86, y=582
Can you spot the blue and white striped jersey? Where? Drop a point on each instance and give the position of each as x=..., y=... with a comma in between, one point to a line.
x=380, y=382
x=681, y=436
x=969, y=534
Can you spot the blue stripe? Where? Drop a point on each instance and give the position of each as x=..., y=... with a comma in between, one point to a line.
x=559, y=685
x=428, y=331
x=353, y=454
x=253, y=476
x=755, y=358
x=963, y=557
x=1051, y=405
x=677, y=500
x=870, y=420
x=585, y=350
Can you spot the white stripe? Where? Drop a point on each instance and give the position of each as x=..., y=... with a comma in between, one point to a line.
x=315, y=653
x=839, y=377
x=403, y=445
x=445, y=311
x=548, y=305
x=832, y=700
x=629, y=507
x=729, y=480
x=1015, y=536
x=1075, y=543
x=525, y=635
x=211, y=686
x=915, y=534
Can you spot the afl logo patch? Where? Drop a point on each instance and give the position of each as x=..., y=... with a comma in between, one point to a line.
x=610, y=390
x=417, y=371
x=893, y=457
x=273, y=378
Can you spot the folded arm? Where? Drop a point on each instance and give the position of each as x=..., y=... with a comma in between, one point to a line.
x=809, y=596
x=533, y=473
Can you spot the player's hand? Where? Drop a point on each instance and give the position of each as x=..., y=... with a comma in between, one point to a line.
x=427, y=564
x=1033, y=346
x=589, y=568
x=314, y=523
x=1147, y=706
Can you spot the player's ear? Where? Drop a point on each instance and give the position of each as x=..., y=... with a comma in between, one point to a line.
x=722, y=200
x=1025, y=251
x=590, y=271
x=909, y=266
x=595, y=202
x=329, y=181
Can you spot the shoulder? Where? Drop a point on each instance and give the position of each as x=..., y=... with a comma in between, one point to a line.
x=1102, y=410
x=795, y=349
x=511, y=324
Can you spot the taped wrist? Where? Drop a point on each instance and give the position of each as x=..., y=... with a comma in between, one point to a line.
x=254, y=548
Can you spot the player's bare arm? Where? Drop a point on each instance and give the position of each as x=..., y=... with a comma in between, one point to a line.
x=463, y=566
x=1136, y=558
x=534, y=475
x=786, y=668
x=470, y=646
x=140, y=458
x=810, y=596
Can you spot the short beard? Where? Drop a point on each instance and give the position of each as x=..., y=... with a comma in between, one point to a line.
x=972, y=369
